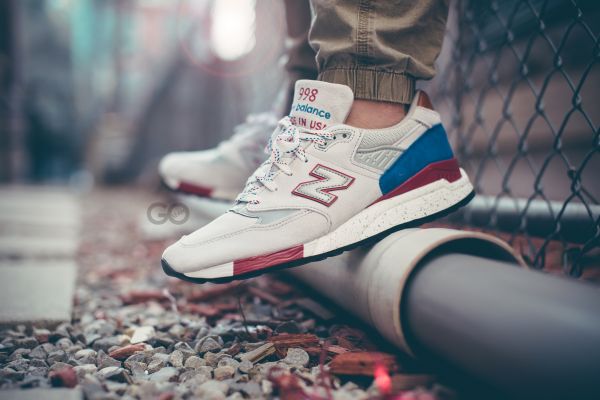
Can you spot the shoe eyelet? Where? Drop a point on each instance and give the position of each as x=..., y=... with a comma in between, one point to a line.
x=335, y=138
x=345, y=135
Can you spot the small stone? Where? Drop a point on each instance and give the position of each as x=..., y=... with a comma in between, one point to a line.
x=225, y=372
x=85, y=369
x=195, y=362
x=85, y=353
x=60, y=332
x=212, y=390
x=251, y=389
x=167, y=374
x=63, y=343
x=206, y=370
x=156, y=365
x=64, y=377
x=11, y=374
x=211, y=359
x=177, y=330
x=103, y=360
x=38, y=363
x=161, y=339
x=123, y=352
x=245, y=366
x=37, y=371
x=57, y=356
x=143, y=334
x=39, y=353
x=183, y=346
x=20, y=364
x=228, y=361
x=19, y=353
x=116, y=374
x=91, y=387
x=208, y=344
x=164, y=357
x=41, y=335
x=33, y=381
x=26, y=343
x=297, y=357
x=135, y=367
x=59, y=365
x=101, y=327
x=176, y=359
x=137, y=357
x=193, y=378
x=106, y=343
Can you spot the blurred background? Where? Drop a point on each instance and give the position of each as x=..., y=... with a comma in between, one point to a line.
x=94, y=92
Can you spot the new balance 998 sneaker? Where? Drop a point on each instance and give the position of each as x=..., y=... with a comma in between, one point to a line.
x=220, y=173
x=327, y=187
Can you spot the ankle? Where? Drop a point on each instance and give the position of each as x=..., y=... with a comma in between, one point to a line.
x=369, y=114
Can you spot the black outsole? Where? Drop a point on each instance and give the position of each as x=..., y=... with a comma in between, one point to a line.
x=295, y=263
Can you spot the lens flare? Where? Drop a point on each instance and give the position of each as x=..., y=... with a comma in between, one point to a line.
x=382, y=379
x=233, y=28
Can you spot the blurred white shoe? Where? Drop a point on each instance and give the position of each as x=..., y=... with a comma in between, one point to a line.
x=220, y=173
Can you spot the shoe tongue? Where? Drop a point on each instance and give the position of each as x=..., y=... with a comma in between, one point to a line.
x=318, y=104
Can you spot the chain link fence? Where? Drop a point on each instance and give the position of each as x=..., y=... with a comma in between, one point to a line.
x=518, y=88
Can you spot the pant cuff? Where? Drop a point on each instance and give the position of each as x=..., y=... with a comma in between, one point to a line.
x=371, y=84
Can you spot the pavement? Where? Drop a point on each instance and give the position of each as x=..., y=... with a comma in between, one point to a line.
x=39, y=238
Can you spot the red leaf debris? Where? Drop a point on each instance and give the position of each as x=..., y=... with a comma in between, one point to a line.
x=142, y=296
x=213, y=292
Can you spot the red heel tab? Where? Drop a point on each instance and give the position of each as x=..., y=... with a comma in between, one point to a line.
x=423, y=100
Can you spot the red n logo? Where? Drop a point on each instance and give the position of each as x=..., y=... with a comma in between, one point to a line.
x=328, y=180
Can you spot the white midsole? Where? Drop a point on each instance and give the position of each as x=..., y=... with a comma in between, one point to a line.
x=418, y=203
x=386, y=214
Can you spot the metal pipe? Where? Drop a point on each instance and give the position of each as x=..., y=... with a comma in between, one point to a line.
x=578, y=222
x=521, y=330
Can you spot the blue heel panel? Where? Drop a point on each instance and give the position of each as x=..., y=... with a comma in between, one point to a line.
x=431, y=147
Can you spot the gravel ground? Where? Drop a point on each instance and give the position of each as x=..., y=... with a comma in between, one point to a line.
x=137, y=334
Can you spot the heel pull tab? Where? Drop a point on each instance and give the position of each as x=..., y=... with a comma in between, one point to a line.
x=423, y=100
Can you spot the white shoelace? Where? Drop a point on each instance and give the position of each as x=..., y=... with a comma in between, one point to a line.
x=284, y=146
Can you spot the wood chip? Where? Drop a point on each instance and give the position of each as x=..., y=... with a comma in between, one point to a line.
x=205, y=310
x=294, y=340
x=259, y=353
x=279, y=288
x=333, y=349
x=315, y=308
x=263, y=295
x=123, y=352
x=214, y=292
x=362, y=363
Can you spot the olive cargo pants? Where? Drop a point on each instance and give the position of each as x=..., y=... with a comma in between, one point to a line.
x=378, y=48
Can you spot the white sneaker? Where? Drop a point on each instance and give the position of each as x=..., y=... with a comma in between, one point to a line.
x=220, y=173
x=326, y=188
